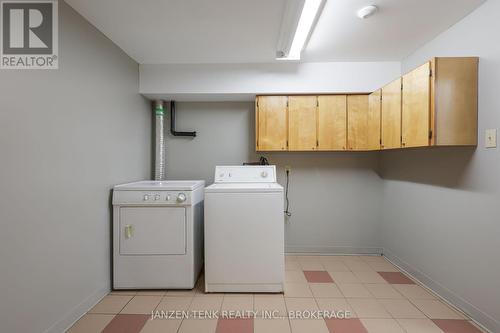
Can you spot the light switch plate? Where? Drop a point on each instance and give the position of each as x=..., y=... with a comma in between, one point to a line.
x=490, y=139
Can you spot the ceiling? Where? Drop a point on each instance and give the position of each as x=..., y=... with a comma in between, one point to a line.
x=247, y=31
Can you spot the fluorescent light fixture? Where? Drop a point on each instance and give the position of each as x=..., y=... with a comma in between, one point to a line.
x=308, y=15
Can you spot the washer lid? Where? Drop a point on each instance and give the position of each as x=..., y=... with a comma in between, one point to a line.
x=243, y=188
x=160, y=185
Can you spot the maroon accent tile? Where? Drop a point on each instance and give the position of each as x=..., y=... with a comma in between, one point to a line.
x=352, y=325
x=456, y=326
x=396, y=278
x=126, y=323
x=233, y=325
x=318, y=277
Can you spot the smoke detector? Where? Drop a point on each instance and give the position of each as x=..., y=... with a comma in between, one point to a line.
x=367, y=11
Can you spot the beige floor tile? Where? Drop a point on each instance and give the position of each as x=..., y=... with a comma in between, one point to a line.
x=198, y=326
x=269, y=304
x=330, y=259
x=151, y=292
x=161, y=326
x=308, y=326
x=322, y=290
x=311, y=266
x=124, y=292
x=369, y=277
x=383, y=267
x=237, y=303
x=336, y=266
x=368, y=308
x=419, y=326
x=382, y=326
x=292, y=266
x=295, y=276
x=111, y=304
x=142, y=305
x=336, y=305
x=291, y=258
x=435, y=309
x=174, y=304
x=271, y=325
x=374, y=258
x=206, y=303
x=343, y=277
x=297, y=290
x=181, y=292
x=301, y=304
x=379, y=290
x=413, y=291
x=358, y=266
x=401, y=308
x=354, y=290
x=91, y=323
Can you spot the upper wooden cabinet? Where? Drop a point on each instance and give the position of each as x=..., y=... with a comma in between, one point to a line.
x=374, y=113
x=454, y=96
x=415, y=113
x=357, y=122
x=271, y=118
x=302, y=123
x=391, y=115
x=433, y=105
x=332, y=122
x=440, y=103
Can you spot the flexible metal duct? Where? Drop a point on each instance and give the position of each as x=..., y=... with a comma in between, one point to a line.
x=160, y=166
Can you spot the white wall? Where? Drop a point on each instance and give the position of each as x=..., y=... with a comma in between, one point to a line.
x=441, y=207
x=66, y=137
x=239, y=82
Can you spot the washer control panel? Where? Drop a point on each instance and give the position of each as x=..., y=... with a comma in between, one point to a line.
x=245, y=174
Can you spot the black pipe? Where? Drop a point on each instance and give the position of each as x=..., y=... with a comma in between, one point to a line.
x=172, y=123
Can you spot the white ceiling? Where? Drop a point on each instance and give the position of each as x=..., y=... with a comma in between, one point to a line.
x=247, y=31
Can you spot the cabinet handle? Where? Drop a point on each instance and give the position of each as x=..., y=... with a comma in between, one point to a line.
x=129, y=231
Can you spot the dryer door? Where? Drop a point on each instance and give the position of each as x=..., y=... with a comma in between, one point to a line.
x=152, y=230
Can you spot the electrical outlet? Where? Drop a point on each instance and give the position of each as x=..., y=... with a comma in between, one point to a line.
x=288, y=168
x=490, y=138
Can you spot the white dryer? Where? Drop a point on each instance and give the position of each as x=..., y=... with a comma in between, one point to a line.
x=244, y=230
x=157, y=234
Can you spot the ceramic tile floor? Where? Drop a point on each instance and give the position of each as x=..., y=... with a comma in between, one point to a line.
x=379, y=297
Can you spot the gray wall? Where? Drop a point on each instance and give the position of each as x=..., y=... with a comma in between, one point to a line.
x=66, y=136
x=441, y=207
x=335, y=197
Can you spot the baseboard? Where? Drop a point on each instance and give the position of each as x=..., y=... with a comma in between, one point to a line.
x=326, y=250
x=78, y=311
x=478, y=316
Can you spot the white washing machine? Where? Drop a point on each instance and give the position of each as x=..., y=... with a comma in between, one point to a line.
x=244, y=230
x=157, y=234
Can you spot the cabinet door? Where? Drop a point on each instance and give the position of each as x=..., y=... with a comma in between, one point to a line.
x=415, y=114
x=357, y=122
x=332, y=122
x=271, y=123
x=302, y=120
x=374, y=109
x=391, y=115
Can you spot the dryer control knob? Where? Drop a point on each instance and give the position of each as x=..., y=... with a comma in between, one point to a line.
x=146, y=197
x=263, y=174
x=181, y=197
